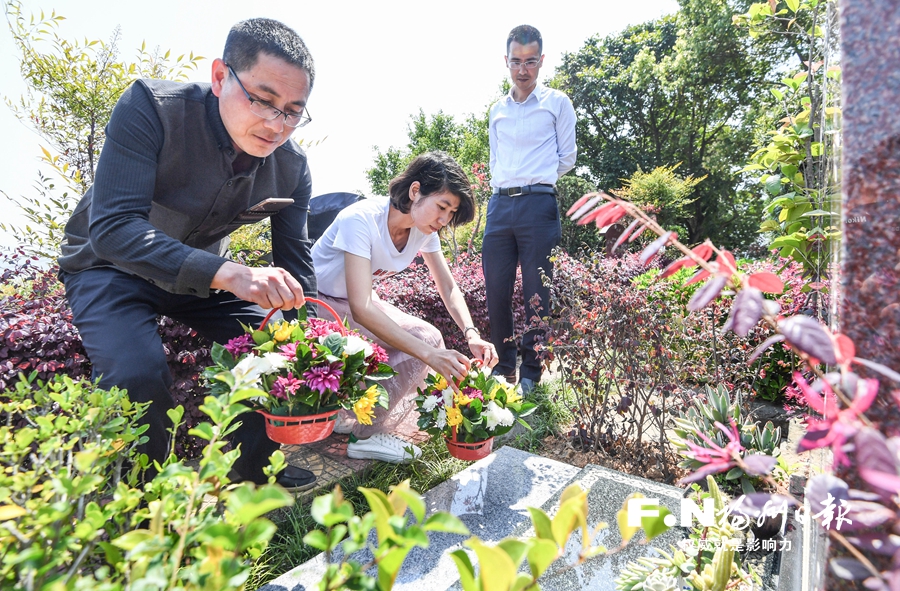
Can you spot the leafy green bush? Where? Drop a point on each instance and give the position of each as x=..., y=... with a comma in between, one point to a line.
x=73, y=511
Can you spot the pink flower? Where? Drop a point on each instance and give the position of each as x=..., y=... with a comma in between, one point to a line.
x=285, y=385
x=240, y=345
x=378, y=356
x=716, y=458
x=318, y=327
x=324, y=377
x=836, y=425
x=289, y=350
x=473, y=393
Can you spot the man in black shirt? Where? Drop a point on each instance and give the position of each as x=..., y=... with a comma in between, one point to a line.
x=181, y=165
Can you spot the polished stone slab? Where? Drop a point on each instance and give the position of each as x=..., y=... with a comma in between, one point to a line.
x=607, y=491
x=491, y=497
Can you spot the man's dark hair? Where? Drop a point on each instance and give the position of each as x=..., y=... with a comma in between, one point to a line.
x=250, y=37
x=436, y=172
x=525, y=34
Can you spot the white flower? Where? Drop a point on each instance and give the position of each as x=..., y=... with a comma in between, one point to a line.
x=448, y=397
x=276, y=360
x=250, y=368
x=494, y=415
x=502, y=381
x=354, y=344
x=441, y=420
x=430, y=403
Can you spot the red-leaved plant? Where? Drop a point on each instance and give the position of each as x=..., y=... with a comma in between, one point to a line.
x=837, y=398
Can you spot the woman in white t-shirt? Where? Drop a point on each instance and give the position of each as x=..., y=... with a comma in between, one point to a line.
x=378, y=237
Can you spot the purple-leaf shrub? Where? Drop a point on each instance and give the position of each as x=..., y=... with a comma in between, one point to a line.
x=38, y=335
x=413, y=292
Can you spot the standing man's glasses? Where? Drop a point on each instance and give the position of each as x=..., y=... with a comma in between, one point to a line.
x=529, y=64
x=268, y=112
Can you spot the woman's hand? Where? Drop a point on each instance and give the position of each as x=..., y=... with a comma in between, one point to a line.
x=451, y=364
x=484, y=351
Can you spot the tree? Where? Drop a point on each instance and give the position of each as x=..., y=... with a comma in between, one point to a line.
x=72, y=89
x=684, y=89
x=467, y=142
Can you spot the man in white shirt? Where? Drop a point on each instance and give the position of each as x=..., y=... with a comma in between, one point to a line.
x=532, y=137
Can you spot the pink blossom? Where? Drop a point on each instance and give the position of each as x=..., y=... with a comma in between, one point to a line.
x=318, y=327
x=716, y=458
x=473, y=393
x=324, y=378
x=379, y=355
x=289, y=350
x=240, y=345
x=837, y=425
x=283, y=386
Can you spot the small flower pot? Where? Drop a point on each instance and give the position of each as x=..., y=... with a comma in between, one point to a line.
x=469, y=451
x=300, y=429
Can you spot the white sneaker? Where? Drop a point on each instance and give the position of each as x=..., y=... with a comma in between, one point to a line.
x=385, y=448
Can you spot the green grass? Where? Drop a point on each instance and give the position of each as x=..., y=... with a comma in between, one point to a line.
x=553, y=414
x=287, y=550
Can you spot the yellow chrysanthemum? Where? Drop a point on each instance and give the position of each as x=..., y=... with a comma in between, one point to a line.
x=454, y=416
x=365, y=406
x=283, y=332
x=462, y=399
x=512, y=396
x=441, y=384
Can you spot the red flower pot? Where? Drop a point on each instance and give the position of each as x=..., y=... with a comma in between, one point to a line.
x=469, y=451
x=300, y=429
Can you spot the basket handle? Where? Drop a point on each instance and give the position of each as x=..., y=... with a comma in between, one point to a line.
x=314, y=301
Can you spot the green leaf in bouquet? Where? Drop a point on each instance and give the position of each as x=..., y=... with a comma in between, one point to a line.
x=524, y=424
x=267, y=347
x=384, y=398
x=335, y=343
x=261, y=336
x=383, y=372
x=222, y=356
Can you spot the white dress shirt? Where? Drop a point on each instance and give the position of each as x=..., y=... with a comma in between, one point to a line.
x=533, y=141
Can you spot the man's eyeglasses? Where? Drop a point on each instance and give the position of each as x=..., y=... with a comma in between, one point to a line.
x=268, y=112
x=529, y=64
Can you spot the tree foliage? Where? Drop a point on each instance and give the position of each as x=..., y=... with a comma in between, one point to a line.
x=467, y=142
x=72, y=89
x=681, y=89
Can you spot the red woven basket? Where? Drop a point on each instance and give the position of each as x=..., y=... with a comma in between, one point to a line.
x=300, y=429
x=469, y=451
x=295, y=430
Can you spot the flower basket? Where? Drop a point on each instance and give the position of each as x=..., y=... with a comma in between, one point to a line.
x=469, y=416
x=469, y=451
x=299, y=374
x=301, y=429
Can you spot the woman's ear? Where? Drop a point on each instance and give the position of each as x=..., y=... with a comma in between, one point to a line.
x=414, y=188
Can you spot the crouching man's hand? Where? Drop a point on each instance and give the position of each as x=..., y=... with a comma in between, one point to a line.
x=269, y=287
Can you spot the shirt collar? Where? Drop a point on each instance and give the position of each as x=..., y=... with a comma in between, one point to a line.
x=538, y=89
x=223, y=140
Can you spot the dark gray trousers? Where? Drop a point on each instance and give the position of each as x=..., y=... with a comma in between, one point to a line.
x=116, y=315
x=520, y=231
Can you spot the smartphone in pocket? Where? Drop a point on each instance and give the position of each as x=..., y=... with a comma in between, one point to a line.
x=263, y=209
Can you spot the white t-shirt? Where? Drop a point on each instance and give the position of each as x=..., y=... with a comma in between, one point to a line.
x=362, y=229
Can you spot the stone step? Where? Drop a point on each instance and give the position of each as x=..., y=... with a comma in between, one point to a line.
x=491, y=497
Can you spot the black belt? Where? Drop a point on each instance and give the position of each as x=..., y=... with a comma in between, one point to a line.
x=526, y=190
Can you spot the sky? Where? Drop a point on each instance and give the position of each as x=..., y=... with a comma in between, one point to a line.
x=377, y=63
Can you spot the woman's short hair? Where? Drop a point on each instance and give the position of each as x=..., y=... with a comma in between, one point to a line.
x=436, y=172
x=249, y=38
